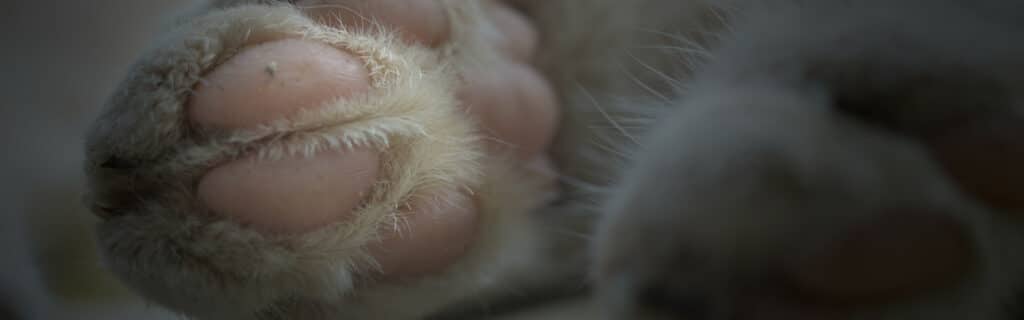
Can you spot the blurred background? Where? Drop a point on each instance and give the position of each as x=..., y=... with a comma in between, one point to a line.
x=59, y=59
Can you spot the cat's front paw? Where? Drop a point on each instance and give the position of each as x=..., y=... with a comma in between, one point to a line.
x=330, y=158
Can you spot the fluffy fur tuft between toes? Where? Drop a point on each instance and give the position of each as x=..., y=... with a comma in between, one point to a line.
x=144, y=161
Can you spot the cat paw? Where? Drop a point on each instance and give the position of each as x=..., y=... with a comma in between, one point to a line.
x=325, y=159
x=781, y=209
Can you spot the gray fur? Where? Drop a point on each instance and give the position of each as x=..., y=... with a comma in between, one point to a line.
x=704, y=138
x=754, y=153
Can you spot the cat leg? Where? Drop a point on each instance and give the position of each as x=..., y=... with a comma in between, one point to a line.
x=817, y=169
x=353, y=159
